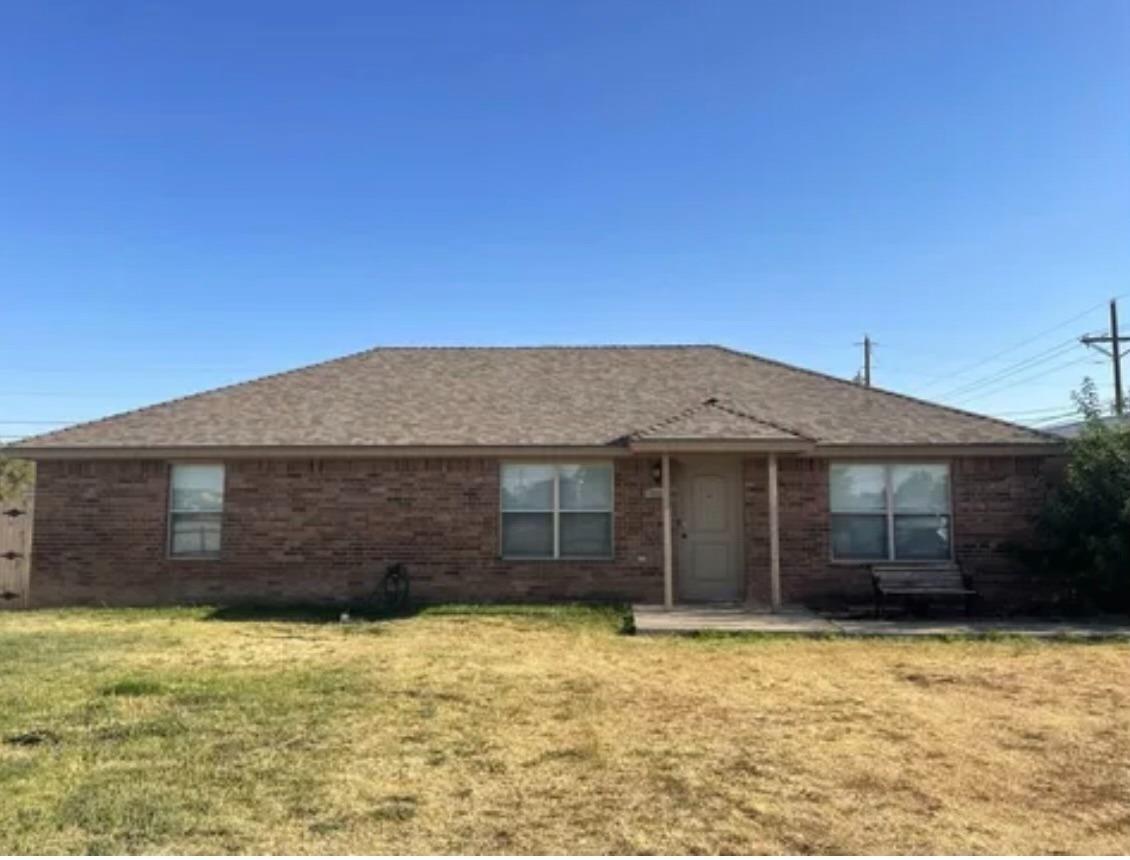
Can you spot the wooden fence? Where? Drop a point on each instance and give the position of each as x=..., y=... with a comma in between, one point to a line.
x=15, y=551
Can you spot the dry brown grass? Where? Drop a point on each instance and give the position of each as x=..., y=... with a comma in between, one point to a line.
x=493, y=733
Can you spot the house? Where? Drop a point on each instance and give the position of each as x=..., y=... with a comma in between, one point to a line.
x=1073, y=429
x=659, y=474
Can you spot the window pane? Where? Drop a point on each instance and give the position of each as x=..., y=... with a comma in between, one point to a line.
x=527, y=535
x=858, y=489
x=918, y=537
x=198, y=488
x=527, y=488
x=586, y=535
x=586, y=488
x=921, y=489
x=195, y=534
x=859, y=537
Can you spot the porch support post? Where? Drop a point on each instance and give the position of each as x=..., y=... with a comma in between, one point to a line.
x=774, y=537
x=668, y=566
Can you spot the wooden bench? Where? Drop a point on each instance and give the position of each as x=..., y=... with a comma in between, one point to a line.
x=918, y=584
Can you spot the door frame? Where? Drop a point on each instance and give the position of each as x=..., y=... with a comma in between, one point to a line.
x=732, y=462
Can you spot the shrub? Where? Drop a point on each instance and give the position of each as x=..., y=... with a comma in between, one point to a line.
x=1084, y=528
x=16, y=478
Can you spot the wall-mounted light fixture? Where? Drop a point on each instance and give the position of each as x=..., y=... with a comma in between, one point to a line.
x=657, y=472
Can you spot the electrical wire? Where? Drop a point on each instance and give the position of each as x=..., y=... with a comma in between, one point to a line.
x=1054, y=419
x=1043, y=410
x=1049, y=354
x=1021, y=344
x=1025, y=380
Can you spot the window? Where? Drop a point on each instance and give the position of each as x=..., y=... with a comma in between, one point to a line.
x=557, y=511
x=897, y=512
x=196, y=504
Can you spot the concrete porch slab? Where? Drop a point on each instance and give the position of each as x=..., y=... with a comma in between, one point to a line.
x=654, y=619
x=728, y=619
x=1032, y=627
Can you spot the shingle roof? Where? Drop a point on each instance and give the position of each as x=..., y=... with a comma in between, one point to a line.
x=559, y=396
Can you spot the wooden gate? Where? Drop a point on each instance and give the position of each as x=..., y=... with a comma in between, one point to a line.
x=15, y=551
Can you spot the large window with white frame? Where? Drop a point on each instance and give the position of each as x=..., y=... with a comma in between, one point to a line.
x=556, y=510
x=196, y=505
x=890, y=511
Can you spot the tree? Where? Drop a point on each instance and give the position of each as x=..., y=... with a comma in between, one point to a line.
x=16, y=476
x=1084, y=527
x=1087, y=399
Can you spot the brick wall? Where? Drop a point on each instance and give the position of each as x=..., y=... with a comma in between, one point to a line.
x=994, y=499
x=297, y=531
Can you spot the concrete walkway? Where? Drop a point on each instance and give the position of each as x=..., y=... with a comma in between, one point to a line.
x=652, y=619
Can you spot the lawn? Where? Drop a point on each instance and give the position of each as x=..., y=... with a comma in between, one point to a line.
x=474, y=731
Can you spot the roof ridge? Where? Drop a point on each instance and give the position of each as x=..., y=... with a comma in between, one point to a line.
x=534, y=347
x=341, y=358
x=670, y=419
x=775, y=424
x=713, y=403
x=749, y=356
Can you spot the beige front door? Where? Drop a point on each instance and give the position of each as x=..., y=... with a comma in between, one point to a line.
x=709, y=530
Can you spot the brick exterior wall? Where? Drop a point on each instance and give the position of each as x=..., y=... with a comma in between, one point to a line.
x=302, y=531
x=994, y=500
x=322, y=531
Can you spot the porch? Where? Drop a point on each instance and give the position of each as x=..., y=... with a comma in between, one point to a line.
x=682, y=620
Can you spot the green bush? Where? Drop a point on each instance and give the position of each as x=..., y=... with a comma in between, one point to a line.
x=1084, y=528
x=16, y=478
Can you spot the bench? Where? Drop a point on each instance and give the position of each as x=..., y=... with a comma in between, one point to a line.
x=918, y=584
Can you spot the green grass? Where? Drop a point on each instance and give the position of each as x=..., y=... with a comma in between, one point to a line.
x=487, y=729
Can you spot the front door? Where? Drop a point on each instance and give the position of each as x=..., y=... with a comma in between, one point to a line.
x=709, y=530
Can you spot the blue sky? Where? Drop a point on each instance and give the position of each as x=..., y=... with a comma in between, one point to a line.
x=194, y=193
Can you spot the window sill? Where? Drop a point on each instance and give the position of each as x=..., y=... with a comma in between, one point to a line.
x=549, y=558
x=869, y=562
x=208, y=557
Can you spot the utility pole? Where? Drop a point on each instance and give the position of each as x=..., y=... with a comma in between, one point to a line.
x=1116, y=352
x=1114, y=339
x=866, y=361
x=867, y=344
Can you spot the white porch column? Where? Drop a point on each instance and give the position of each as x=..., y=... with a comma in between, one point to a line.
x=774, y=537
x=668, y=566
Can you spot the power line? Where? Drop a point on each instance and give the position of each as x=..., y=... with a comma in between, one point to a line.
x=1019, y=345
x=1024, y=381
x=1049, y=354
x=1043, y=422
x=1044, y=409
x=148, y=368
x=67, y=394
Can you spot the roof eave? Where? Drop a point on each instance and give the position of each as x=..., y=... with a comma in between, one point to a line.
x=705, y=446
x=633, y=446
x=266, y=452
x=964, y=449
